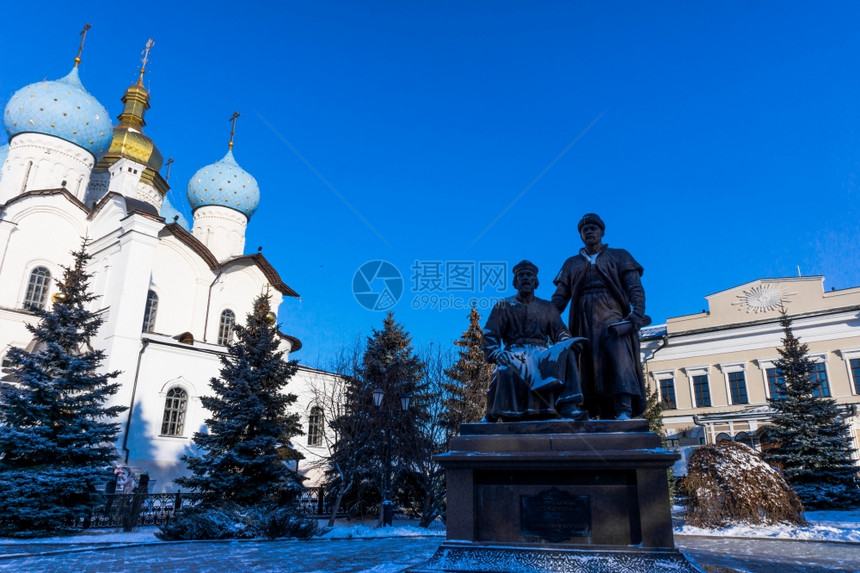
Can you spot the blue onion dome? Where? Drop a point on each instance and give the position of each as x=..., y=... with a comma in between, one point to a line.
x=225, y=184
x=62, y=108
x=169, y=212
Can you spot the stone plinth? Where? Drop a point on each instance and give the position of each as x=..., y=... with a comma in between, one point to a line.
x=558, y=496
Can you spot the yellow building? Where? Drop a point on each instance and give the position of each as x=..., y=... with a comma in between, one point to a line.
x=715, y=370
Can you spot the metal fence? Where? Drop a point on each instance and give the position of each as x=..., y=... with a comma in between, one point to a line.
x=132, y=510
x=313, y=502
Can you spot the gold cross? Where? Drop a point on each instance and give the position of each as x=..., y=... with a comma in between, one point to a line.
x=233, y=128
x=149, y=44
x=81, y=48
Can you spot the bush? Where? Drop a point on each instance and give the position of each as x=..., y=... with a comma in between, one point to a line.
x=728, y=483
x=231, y=521
x=274, y=522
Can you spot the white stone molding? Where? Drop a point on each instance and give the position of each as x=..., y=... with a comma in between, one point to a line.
x=36, y=162
x=221, y=229
x=180, y=382
x=690, y=372
x=98, y=186
x=727, y=368
x=848, y=354
x=24, y=280
x=148, y=194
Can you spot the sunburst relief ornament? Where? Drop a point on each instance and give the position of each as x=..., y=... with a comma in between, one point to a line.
x=763, y=298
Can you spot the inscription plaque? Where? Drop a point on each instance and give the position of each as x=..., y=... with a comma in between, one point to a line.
x=555, y=515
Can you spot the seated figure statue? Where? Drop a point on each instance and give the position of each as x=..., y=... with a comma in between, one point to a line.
x=536, y=375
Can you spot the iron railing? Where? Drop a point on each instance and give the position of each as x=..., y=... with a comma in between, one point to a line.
x=118, y=509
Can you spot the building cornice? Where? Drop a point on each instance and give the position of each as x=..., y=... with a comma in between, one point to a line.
x=62, y=191
x=267, y=269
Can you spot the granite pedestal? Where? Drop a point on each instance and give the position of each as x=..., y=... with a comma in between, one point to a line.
x=555, y=496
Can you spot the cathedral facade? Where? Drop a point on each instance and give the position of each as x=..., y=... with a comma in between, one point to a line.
x=169, y=290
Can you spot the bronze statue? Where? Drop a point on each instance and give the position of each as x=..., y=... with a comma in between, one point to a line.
x=536, y=375
x=607, y=306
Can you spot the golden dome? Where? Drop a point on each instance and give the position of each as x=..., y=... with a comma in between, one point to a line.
x=129, y=140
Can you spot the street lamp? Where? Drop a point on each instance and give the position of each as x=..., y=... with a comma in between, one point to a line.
x=387, y=504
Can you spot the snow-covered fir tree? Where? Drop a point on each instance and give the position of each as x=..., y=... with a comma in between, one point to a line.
x=466, y=391
x=249, y=423
x=56, y=433
x=812, y=444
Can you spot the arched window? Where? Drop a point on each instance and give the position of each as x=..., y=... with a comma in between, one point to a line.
x=744, y=438
x=174, y=412
x=37, y=288
x=315, y=427
x=723, y=437
x=150, y=312
x=225, y=328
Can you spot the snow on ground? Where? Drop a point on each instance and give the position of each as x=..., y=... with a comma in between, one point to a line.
x=823, y=526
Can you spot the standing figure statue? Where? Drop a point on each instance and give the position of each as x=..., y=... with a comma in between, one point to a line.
x=536, y=375
x=607, y=306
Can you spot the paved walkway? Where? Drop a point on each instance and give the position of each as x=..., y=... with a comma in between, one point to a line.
x=386, y=555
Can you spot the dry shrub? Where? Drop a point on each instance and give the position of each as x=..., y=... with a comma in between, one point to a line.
x=729, y=483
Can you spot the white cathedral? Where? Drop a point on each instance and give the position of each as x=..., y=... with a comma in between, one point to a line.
x=169, y=293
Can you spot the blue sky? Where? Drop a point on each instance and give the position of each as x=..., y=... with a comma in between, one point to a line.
x=719, y=141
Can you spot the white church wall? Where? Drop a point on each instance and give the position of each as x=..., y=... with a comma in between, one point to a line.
x=13, y=332
x=38, y=161
x=166, y=364
x=307, y=384
x=30, y=246
x=180, y=278
x=124, y=300
x=105, y=220
x=221, y=230
x=236, y=288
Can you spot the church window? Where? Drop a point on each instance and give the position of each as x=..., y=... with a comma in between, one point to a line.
x=225, y=328
x=150, y=312
x=175, y=405
x=667, y=393
x=738, y=387
x=775, y=383
x=37, y=288
x=702, y=391
x=819, y=374
x=26, y=176
x=315, y=427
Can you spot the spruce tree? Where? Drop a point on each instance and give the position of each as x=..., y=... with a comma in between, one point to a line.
x=249, y=421
x=389, y=364
x=469, y=378
x=654, y=408
x=56, y=433
x=812, y=444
